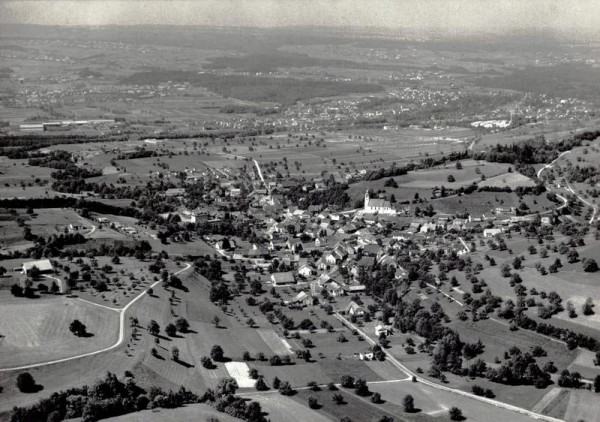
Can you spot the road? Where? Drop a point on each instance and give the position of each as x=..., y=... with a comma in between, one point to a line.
x=411, y=374
x=61, y=287
x=548, y=166
x=569, y=188
x=592, y=206
x=260, y=174
x=122, y=312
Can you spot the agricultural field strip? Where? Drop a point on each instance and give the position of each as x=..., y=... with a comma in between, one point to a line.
x=122, y=312
x=448, y=389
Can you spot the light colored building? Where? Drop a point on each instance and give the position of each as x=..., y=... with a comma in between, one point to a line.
x=378, y=206
x=43, y=265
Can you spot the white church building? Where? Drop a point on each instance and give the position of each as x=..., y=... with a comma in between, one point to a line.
x=378, y=206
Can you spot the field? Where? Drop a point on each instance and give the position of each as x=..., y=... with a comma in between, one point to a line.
x=582, y=406
x=479, y=203
x=511, y=180
x=435, y=403
x=37, y=330
x=190, y=413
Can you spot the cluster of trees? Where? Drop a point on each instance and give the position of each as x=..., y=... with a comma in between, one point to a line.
x=223, y=398
x=334, y=196
x=520, y=368
x=572, y=338
x=534, y=151
x=109, y=397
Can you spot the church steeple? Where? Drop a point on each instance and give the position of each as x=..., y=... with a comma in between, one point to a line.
x=367, y=199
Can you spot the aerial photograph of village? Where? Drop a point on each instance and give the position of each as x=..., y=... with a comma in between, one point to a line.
x=313, y=211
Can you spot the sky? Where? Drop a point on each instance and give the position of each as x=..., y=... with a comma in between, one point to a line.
x=573, y=18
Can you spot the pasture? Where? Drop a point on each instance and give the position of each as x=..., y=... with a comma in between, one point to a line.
x=37, y=330
x=435, y=403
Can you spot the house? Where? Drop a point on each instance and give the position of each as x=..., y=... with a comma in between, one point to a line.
x=366, y=262
x=282, y=279
x=366, y=356
x=383, y=329
x=354, y=308
x=294, y=244
x=302, y=299
x=305, y=270
x=331, y=259
x=43, y=265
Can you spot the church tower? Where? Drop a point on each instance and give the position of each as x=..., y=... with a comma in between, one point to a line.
x=367, y=200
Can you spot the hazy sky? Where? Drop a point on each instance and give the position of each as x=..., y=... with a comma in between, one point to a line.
x=578, y=18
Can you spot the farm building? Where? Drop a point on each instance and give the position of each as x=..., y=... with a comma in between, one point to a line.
x=491, y=232
x=281, y=279
x=43, y=265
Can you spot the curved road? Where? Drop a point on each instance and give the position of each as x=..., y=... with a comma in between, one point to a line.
x=569, y=188
x=122, y=312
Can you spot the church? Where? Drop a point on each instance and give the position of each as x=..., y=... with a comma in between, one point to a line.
x=378, y=206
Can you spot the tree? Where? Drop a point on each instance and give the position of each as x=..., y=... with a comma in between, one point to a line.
x=175, y=353
x=313, y=403
x=16, y=290
x=590, y=265
x=347, y=381
x=588, y=307
x=207, y=362
x=182, y=325
x=2, y=271
x=338, y=399
x=455, y=414
x=376, y=398
x=78, y=328
x=276, y=383
x=153, y=328
x=285, y=389
x=597, y=384
x=261, y=385
x=226, y=387
x=451, y=179
x=216, y=320
x=171, y=330
x=26, y=383
x=54, y=288
x=217, y=354
x=361, y=388
x=408, y=403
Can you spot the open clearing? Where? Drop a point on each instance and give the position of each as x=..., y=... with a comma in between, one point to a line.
x=511, y=180
x=37, y=330
x=239, y=371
